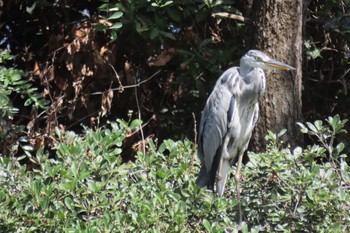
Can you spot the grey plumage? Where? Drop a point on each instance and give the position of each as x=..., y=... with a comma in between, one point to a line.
x=229, y=117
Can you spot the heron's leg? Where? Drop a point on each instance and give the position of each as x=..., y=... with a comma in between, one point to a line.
x=237, y=179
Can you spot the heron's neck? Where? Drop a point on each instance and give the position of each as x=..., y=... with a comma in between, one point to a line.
x=244, y=69
x=254, y=78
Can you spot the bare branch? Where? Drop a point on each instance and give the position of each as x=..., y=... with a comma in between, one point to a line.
x=230, y=16
x=195, y=141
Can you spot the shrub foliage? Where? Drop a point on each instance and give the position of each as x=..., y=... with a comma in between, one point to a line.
x=85, y=187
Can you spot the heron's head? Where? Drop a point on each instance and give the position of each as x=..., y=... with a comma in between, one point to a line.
x=257, y=59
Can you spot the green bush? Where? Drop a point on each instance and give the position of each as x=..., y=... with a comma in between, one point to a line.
x=85, y=187
x=11, y=81
x=15, y=88
x=300, y=190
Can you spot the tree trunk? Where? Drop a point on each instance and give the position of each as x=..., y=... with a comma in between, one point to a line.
x=279, y=34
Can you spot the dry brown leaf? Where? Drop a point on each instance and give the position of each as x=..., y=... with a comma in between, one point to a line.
x=69, y=66
x=79, y=33
x=46, y=92
x=105, y=22
x=36, y=69
x=215, y=37
x=103, y=50
x=83, y=100
x=163, y=58
x=85, y=70
x=107, y=99
x=76, y=44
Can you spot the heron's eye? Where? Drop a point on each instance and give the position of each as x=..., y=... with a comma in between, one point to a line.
x=258, y=59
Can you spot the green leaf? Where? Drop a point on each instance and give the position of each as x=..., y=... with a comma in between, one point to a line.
x=114, y=9
x=340, y=147
x=101, y=27
x=116, y=15
x=116, y=25
x=36, y=187
x=168, y=35
x=244, y=227
x=310, y=194
x=84, y=174
x=135, y=123
x=336, y=123
x=206, y=224
x=28, y=102
x=15, y=77
x=92, y=186
x=154, y=33
x=74, y=168
x=161, y=174
x=333, y=121
x=282, y=132
x=104, y=7
x=167, y=3
x=27, y=147
x=69, y=203
x=319, y=125
x=270, y=136
x=122, y=123
x=312, y=127
x=297, y=152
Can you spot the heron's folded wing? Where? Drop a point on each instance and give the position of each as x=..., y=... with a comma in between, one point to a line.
x=218, y=112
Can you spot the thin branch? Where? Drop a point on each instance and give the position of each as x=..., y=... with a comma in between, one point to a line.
x=343, y=81
x=144, y=125
x=82, y=119
x=230, y=16
x=139, y=116
x=120, y=88
x=142, y=82
x=125, y=87
x=346, y=72
x=195, y=141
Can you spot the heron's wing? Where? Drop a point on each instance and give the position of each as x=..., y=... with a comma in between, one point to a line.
x=216, y=116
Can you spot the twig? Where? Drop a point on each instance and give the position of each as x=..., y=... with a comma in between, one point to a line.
x=125, y=87
x=143, y=126
x=230, y=16
x=120, y=88
x=195, y=141
x=81, y=119
x=345, y=73
x=343, y=81
x=329, y=148
x=139, y=116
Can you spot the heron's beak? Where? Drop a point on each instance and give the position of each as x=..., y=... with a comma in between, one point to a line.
x=273, y=64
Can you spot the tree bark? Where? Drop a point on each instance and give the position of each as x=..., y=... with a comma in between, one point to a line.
x=278, y=33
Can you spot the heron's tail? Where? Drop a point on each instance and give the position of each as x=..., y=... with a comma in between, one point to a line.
x=203, y=178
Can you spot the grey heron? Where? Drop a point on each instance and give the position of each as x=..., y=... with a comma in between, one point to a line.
x=228, y=119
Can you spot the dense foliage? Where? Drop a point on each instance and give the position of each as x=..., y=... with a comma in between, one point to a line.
x=70, y=68
x=103, y=59
x=14, y=88
x=87, y=188
x=326, y=63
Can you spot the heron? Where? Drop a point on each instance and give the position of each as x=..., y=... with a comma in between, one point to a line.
x=228, y=119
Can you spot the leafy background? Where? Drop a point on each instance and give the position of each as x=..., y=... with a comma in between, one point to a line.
x=70, y=69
